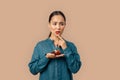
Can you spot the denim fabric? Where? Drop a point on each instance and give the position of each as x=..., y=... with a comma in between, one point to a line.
x=58, y=68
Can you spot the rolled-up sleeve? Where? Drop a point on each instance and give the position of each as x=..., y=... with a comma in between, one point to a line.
x=37, y=63
x=72, y=58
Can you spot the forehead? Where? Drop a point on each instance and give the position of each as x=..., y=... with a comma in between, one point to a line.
x=57, y=18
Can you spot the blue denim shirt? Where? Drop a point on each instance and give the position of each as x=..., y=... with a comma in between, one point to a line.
x=58, y=68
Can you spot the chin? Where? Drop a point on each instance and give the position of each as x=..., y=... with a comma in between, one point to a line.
x=58, y=34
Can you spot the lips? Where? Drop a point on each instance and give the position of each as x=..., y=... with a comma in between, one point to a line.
x=57, y=32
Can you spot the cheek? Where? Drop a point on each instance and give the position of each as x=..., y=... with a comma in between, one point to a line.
x=62, y=28
x=52, y=28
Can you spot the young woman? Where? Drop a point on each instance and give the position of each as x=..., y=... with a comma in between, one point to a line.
x=55, y=58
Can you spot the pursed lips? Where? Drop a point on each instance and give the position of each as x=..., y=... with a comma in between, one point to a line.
x=57, y=32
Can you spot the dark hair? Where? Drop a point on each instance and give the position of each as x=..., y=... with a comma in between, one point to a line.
x=56, y=13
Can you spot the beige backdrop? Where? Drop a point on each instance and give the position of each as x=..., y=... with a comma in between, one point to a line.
x=93, y=25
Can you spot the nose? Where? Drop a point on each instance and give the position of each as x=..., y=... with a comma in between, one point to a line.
x=58, y=26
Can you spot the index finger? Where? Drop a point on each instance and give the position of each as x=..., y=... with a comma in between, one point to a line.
x=60, y=37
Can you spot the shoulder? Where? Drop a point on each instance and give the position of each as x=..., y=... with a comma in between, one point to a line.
x=70, y=43
x=41, y=43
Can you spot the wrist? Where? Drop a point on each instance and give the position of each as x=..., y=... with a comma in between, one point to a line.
x=46, y=56
x=64, y=47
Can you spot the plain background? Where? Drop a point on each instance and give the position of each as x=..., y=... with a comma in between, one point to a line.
x=93, y=25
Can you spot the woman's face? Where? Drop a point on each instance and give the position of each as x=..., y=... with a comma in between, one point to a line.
x=57, y=25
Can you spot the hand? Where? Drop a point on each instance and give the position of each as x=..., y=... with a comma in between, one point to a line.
x=50, y=55
x=61, y=42
x=61, y=55
x=57, y=53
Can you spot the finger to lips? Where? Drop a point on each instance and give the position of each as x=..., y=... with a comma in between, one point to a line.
x=60, y=37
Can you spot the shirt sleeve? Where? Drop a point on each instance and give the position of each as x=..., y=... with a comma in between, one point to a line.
x=37, y=63
x=72, y=58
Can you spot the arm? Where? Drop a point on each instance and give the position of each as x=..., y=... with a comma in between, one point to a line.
x=72, y=58
x=37, y=64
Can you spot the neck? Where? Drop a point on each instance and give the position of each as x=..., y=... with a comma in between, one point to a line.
x=53, y=37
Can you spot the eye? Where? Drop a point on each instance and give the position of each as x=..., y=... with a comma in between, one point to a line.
x=55, y=23
x=62, y=23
